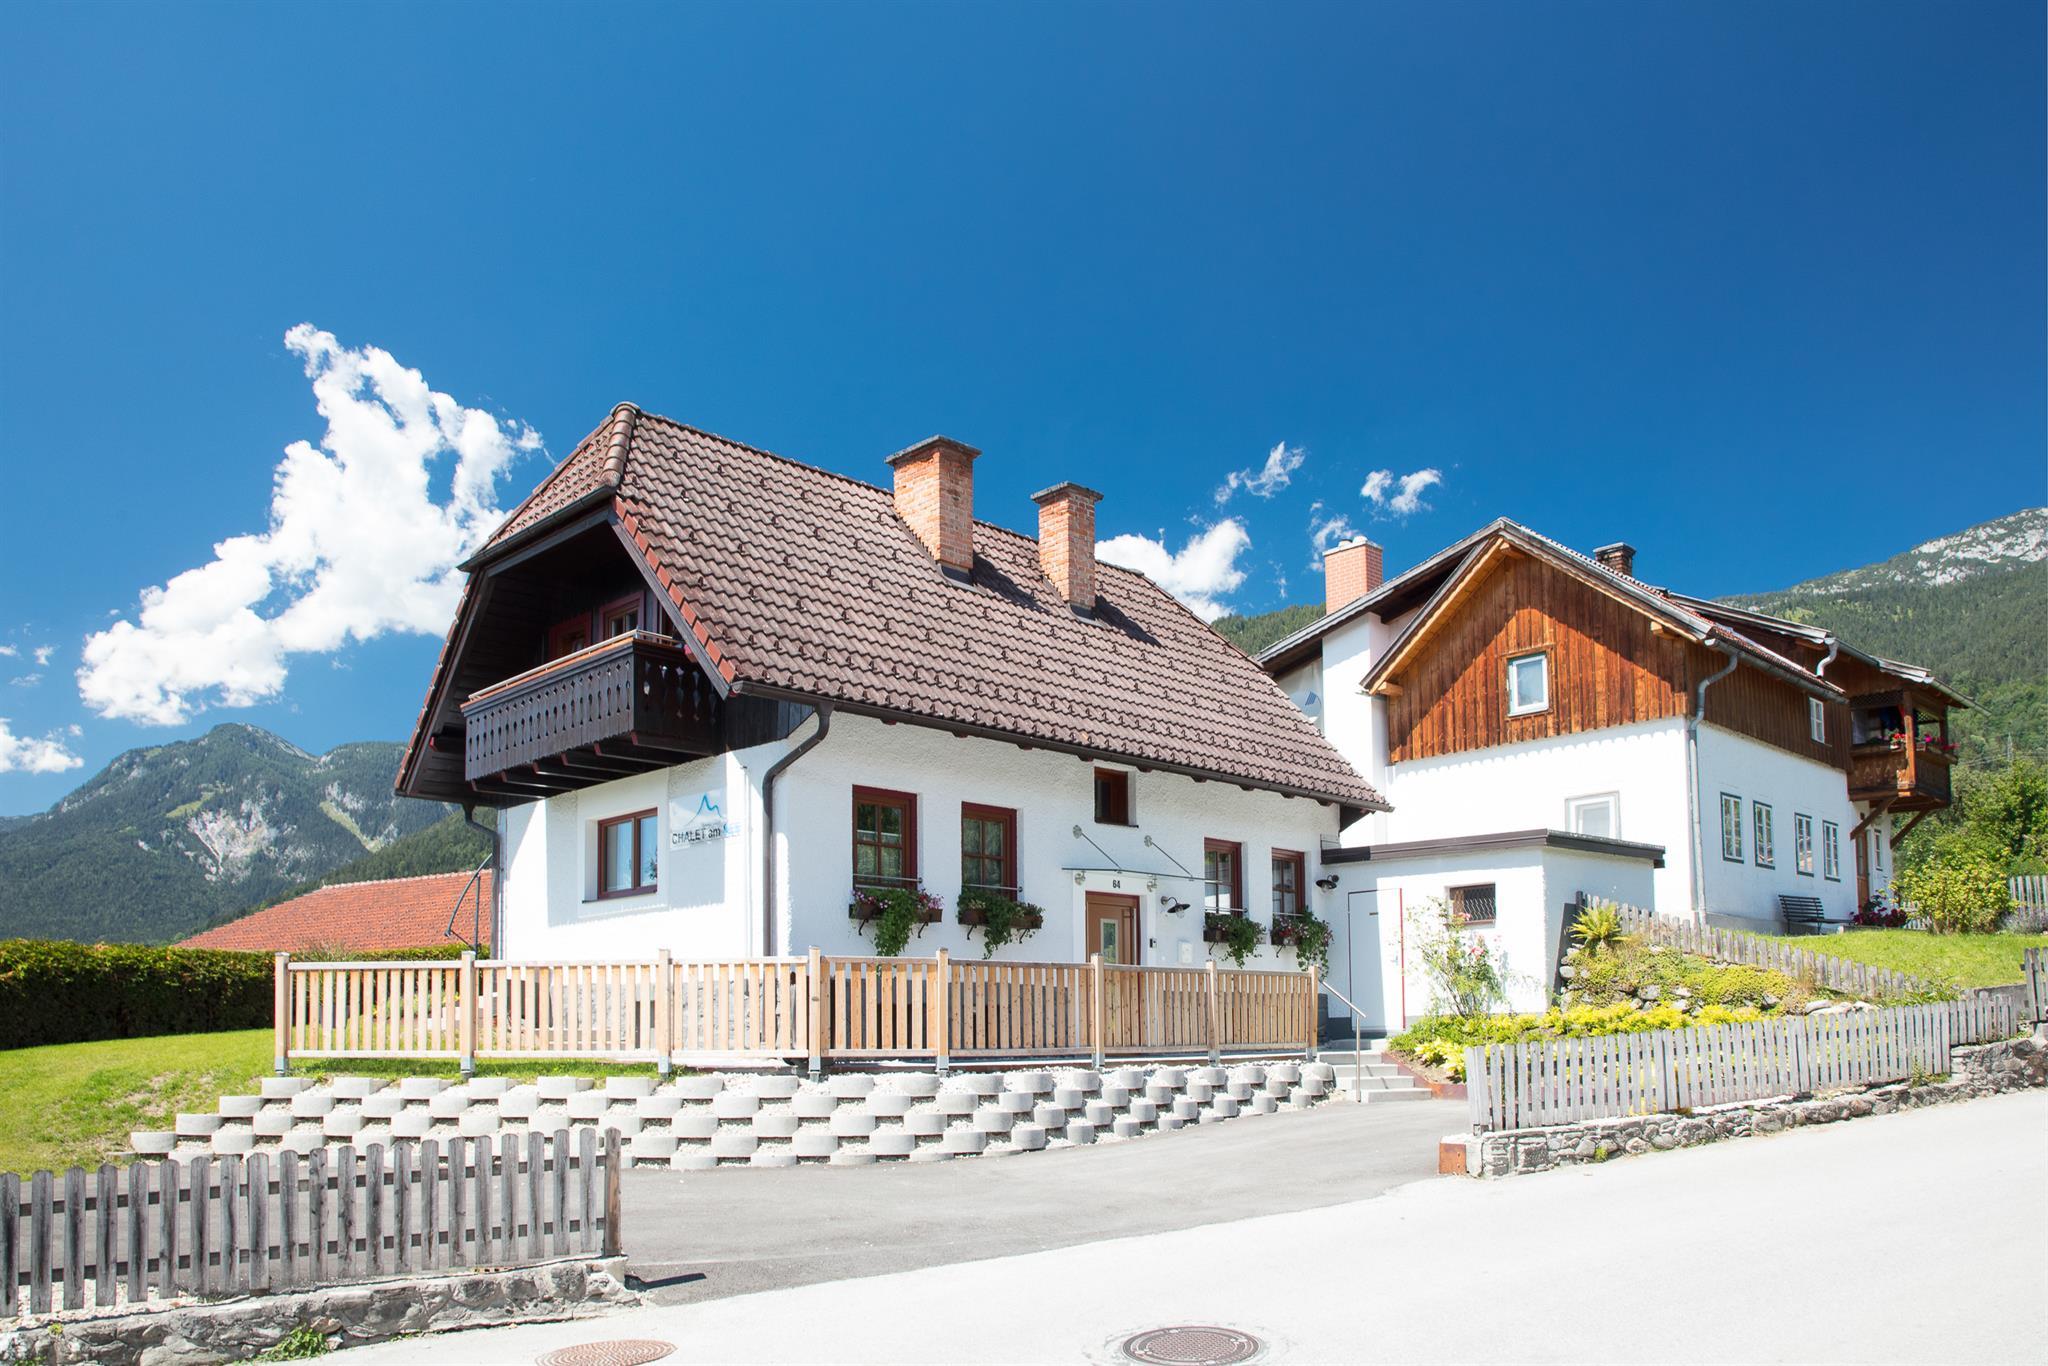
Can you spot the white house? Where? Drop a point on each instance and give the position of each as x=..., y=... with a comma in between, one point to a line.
x=1545, y=724
x=712, y=692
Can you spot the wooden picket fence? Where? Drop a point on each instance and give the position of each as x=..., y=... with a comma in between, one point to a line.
x=1563, y=1081
x=1734, y=946
x=217, y=1226
x=2036, y=963
x=817, y=1007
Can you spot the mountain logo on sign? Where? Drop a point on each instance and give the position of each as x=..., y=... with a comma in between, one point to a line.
x=707, y=822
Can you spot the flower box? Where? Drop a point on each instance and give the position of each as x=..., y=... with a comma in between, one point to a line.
x=975, y=917
x=868, y=910
x=1213, y=925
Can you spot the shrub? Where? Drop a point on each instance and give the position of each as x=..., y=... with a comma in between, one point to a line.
x=1960, y=888
x=1467, y=974
x=1619, y=972
x=1307, y=935
x=1599, y=923
x=1235, y=932
x=894, y=914
x=54, y=991
x=1002, y=918
x=1440, y=1041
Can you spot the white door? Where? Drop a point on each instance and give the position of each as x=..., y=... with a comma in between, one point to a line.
x=1367, y=970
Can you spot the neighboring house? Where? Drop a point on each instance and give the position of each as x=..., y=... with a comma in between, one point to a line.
x=1545, y=724
x=713, y=691
x=389, y=913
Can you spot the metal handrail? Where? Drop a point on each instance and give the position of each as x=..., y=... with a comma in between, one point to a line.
x=1357, y=1039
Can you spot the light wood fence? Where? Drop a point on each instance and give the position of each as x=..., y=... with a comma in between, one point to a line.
x=1563, y=1081
x=228, y=1225
x=1734, y=946
x=2036, y=962
x=819, y=1007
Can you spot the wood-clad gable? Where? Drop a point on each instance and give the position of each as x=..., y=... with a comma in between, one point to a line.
x=1610, y=664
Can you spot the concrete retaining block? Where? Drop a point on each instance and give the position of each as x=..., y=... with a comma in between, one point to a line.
x=520, y=1103
x=847, y=1157
x=814, y=1105
x=1168, y=1076
x=448, y=1105
x=1200, y=1092
x=1031, y=1083
x=1079, y=1131
x=1144, y=1111
x=693, y=1160
x=1049, y=1116
x=734, y=1143
x=1126, y=1127
x=1314, y=1086
x=1187, y=1110
x=772, y=1157
x=658, y=1107
x=925, y=1123
x=892, y=1143
x=345, y=1124
x=284, y=1088
x=919, y=1084
x=698, y=1088
x=1169, y=1123
x=959, y=1141
x=734, y=1105
x=1119, y=1096
x=627, y=1124
x=547, y=1088
x=1099, y=1113
x=152, y=1142
x=1240, y=1090
x=240, y=1107
x=421, y=1088
x=1079, y=1079
x=956, y=1103
x=1223, y=1107
x=305, y=1139
x=1027, y=1138
x=931, y=1154
x=1208, y=1076
x=1159, y=1093
x=697, y=1123
x=1286, y=1073
x=1130, y=1078
x=274, y=1123
x=973, y=1084
x=382, y=1105
x=1017, y=1102
x=1264, y=1104
x=355, y=1088
x=660, y=1147
x=586, y=1105
x=988, y=1121
x=628, y=1088
x=814, y=1143
x=850, y=1123
x=195, y=1126
x=1321, y=1071
x=780, y=1124
x=412, y=1122
x=775, y=1085
x=1071, y=1097
x=889, y=1104
x=850, y=1085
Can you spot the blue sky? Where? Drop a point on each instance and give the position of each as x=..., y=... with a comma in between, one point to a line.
x=1756, y=287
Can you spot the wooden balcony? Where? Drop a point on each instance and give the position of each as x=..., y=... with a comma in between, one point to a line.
x=626, y=705
x=1908, y=776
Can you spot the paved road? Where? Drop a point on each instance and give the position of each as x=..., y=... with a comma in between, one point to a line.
x=1914, y=1238
x=706, y=1235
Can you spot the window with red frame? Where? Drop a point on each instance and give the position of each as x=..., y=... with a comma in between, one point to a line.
x=884, y=837
x=988, y=847
x=628, y=854
x=1223, y=875
x=1290, y=870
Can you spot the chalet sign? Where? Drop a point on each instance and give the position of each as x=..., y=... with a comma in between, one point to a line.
x=699, y=820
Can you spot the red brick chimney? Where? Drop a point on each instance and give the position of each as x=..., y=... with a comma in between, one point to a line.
x=1066, y=541
x=1620, y=557
x=1350, y=571
x=935, y=498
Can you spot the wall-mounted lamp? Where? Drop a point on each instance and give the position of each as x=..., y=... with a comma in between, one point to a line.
x=1171, y=904
x=1328, y=884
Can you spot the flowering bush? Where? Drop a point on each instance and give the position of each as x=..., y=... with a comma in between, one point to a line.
x=1467, y=973
x=894, y=914
x=1877, y=915
x=1237, y=932
x=1002, y=919
x=1440, y=1041
x=1307, y=935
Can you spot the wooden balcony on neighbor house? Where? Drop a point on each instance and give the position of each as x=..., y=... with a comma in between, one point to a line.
x=630, y=704
x=1906, y=774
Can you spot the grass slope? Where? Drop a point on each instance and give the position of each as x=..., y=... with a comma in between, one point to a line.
x=1966, y=960
x=76, y=1103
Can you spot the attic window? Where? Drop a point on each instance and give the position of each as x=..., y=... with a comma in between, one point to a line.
x=1528, y=684
x=621, y=617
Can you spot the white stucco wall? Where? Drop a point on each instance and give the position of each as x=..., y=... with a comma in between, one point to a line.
x=706, y=903
x=1791, y=786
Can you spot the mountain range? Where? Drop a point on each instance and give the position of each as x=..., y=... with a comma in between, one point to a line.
x=169, y=838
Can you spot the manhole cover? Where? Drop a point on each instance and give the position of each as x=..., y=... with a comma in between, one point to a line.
x=623, y=1352
x=1191, y=1345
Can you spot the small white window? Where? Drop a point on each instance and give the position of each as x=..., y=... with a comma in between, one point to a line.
x=1528, y=684
x=1816, y=720
x=1766, y=844
x=1599, y=815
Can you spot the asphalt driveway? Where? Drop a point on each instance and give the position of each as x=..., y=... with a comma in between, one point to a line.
x=704, y=1235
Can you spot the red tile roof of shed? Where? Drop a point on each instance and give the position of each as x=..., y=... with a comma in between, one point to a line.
x=801, y=580
x=395, y=913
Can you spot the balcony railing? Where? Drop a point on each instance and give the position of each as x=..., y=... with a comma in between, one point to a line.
x=1912, y=774
x=640, y=696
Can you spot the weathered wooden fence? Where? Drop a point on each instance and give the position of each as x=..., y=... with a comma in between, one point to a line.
x=1734, y=946
x=1562, y=1081
x=2036, y=963
x=232, y=1225
x=818, y=1007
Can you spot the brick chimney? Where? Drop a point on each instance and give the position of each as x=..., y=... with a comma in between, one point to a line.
x=1066, y=541
x=935, y=498
x=1620, y=557
x=1350, y=571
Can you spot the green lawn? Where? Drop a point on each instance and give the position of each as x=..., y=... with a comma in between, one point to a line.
x=77, y=1102
x=1967, y=960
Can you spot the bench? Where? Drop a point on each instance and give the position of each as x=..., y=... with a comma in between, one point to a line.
x=1803, y=914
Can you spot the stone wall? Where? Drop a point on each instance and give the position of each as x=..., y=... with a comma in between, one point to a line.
x=756, y=1119
x=1980, y=1070
x=196, y=1334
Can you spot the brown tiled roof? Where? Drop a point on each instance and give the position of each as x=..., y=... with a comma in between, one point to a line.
x=396, y=913
x=800, y=580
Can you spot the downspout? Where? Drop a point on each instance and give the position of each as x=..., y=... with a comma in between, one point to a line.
x=497, y=883
x=1820, y=670
x=1692, y=781
x=823, y=711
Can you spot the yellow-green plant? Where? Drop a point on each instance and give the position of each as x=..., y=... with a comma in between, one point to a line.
x=1599, y=923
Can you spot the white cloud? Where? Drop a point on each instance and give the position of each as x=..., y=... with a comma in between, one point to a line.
x=1199, y=573
x=8, y=651
x=25, y=680
x=20, y=754
x=357, y=546
x=1281, y=463
x=1325, y=532
x=44, y=654
x=1407, y=490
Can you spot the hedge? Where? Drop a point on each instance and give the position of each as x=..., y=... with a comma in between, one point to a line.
x=55, y=991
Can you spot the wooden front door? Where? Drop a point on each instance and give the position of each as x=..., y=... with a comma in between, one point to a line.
x=1862, y=871
x=1113, y=927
